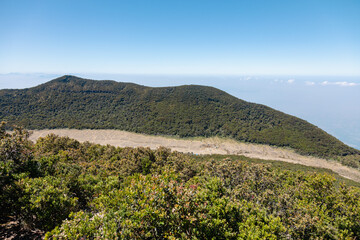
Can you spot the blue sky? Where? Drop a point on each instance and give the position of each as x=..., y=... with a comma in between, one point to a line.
x=181, y=37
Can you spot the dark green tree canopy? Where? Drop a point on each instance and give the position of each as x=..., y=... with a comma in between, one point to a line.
x=60, y=188
x=184, y=111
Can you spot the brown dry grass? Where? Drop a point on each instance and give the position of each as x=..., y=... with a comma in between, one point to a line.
x=199, y=146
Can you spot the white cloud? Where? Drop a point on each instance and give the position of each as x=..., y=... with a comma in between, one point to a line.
x=324, y=83
x=309, y=83
x=346, y=84
x=342, y=84
x=291, y=81
x=278, y=80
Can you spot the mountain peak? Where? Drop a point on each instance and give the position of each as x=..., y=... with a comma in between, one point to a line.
x=185, y=111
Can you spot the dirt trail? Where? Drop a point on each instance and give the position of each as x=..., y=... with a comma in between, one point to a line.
x=198, y=146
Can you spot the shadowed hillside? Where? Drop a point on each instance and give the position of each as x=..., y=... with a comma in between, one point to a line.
x=184, y=111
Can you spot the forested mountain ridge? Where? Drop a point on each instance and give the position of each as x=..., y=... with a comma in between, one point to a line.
x=185, y=111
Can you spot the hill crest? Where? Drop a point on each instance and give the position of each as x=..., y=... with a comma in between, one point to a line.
x=185, y=111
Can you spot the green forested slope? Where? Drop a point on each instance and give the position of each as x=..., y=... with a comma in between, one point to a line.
x=185, y=111
x=75, y=190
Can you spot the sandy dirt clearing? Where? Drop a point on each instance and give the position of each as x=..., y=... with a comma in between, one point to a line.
x=198, y=146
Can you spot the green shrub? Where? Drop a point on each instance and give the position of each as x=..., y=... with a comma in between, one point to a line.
x=82, y=190
x=160, y=207
x=16, y=162
x=45, y=202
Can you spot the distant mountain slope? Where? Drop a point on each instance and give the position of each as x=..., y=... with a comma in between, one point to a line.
x=72, y=102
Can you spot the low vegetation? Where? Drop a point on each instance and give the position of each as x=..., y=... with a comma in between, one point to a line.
x=185, y=111
x=72, y=190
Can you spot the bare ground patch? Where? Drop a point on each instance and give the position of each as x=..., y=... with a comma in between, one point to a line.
x=198, y=146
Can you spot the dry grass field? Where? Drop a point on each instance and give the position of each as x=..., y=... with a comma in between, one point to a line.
x=198, y=146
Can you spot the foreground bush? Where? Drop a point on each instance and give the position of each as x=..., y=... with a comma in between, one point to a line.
x=161, y=207
x=16, y=161
x=45, y=202
x=85, y=191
